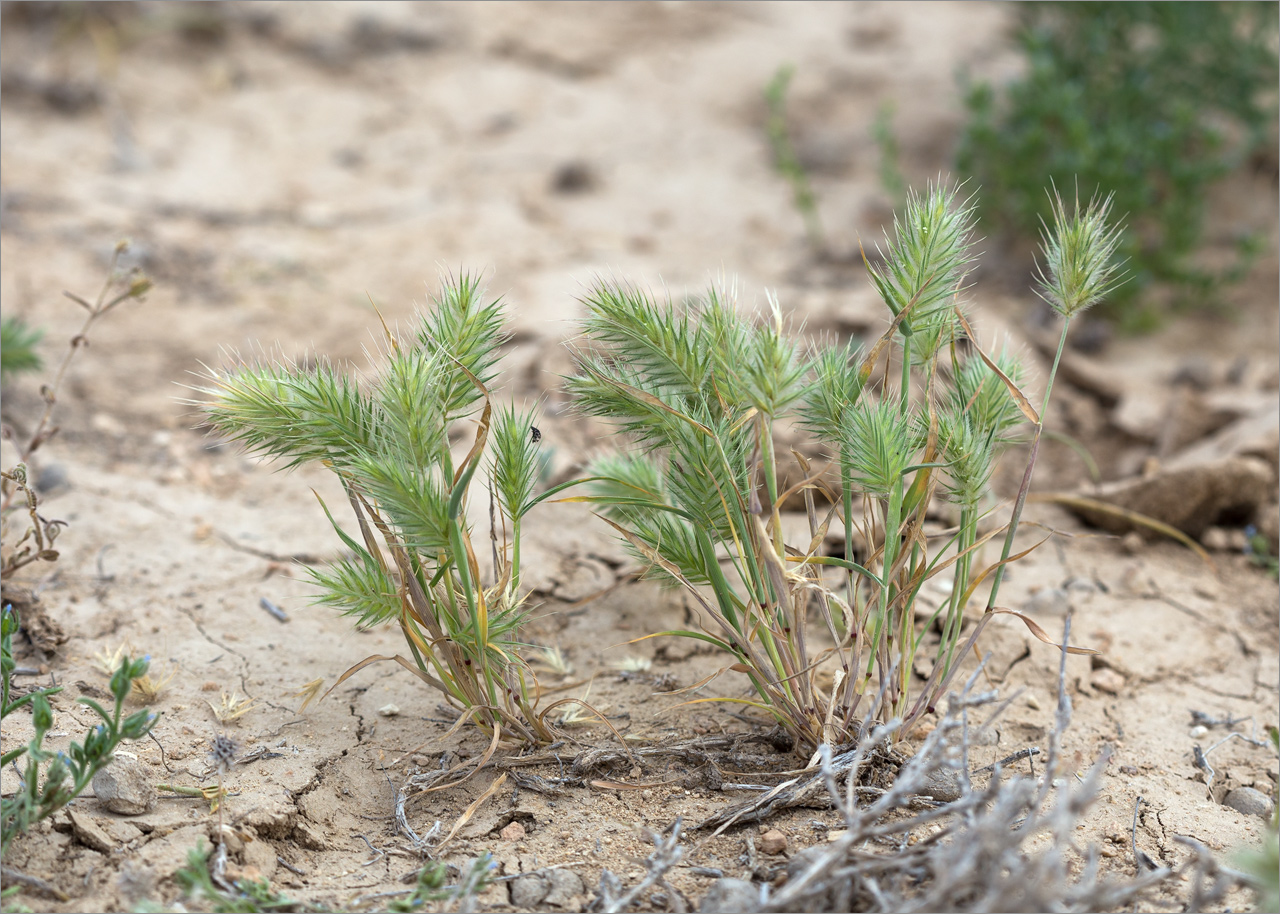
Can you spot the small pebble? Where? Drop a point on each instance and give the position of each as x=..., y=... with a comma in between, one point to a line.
x=389, y=710
x=1249, y=801
x=1198, y=731
x=773, y=842
x=512, y=831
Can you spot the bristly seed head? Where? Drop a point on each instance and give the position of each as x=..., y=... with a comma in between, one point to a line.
x=222, y=753
x=1079, y=253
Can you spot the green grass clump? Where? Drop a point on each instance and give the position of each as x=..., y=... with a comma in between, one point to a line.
x=698, y=390
x=1148, y=102
x=414, y=563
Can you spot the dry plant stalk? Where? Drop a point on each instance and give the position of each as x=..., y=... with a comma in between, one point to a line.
x=900, y=851
x=36, y=544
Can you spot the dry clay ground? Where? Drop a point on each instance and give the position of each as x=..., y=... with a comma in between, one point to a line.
x=274, y=165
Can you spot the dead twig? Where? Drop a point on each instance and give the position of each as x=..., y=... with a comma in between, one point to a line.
x=667, y=853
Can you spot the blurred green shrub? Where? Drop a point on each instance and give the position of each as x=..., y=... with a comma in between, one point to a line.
x=17, y=347
x=1150, y=102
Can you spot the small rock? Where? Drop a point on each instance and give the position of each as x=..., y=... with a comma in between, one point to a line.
x=1082, y=586
x=566, y=886
x=89, y=833
x=773, y=842
x=123, y=787
x=512, y=831
x=527, y=892
x=1198, y=731
x=728, y=895
x=1049, y=601
x=1107, y=680
x=943, y=785
x=576, y=177
x=1188, y=497
x=389, y=710
x=51, y=478
x=1224, y=539
x=1249, y=801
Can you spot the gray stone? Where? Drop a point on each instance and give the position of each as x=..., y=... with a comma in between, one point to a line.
x=728, y=895
x=124, y=787
x=1249, y=801
x=566, y=886
x=528, y=891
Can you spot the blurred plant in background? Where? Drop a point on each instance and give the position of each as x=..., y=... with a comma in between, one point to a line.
x=1149, y=102
x=17, y=347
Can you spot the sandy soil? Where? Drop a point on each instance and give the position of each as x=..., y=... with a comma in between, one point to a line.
x=277, y=166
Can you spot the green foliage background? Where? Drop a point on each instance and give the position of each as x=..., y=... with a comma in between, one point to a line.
x=1151, y=102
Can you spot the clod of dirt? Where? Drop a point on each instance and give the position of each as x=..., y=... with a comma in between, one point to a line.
x=1249, y=801
x=123, y=787
x=773, y=842
x=91, y=835
x=260, y=860
x=43, y=630
x=727, y=895
x=1191, y=498
x=1107, y=680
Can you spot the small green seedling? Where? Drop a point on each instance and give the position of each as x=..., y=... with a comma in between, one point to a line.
x=44, y=789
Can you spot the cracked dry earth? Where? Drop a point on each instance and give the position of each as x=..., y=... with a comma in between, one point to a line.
x=278, y=164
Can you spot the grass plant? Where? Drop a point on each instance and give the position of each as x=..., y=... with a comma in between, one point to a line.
x=698, y=390
x=787, y=162
x=51, y=780
x=388, y=441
